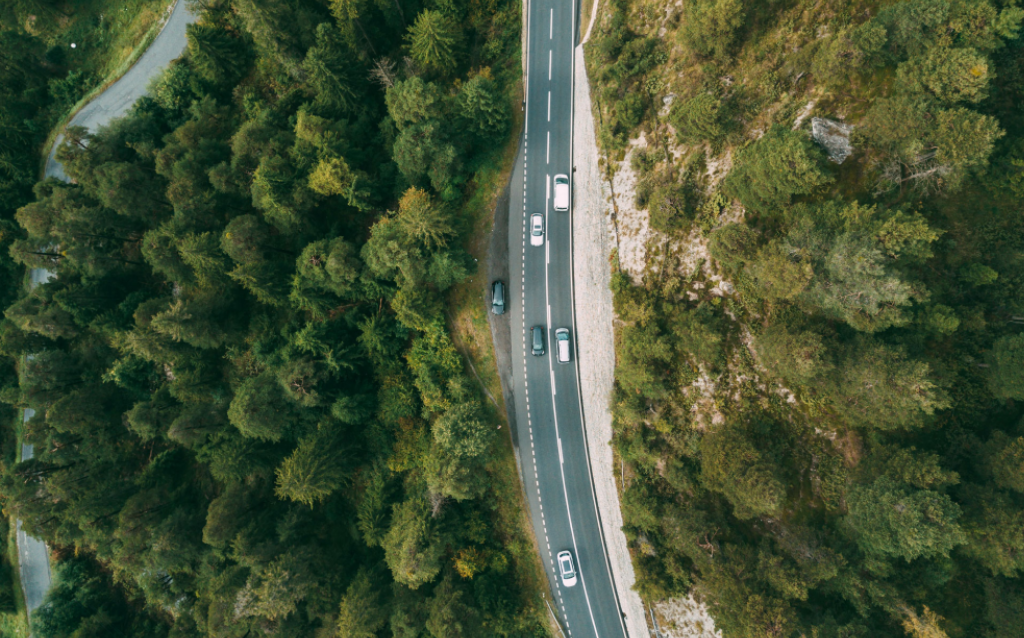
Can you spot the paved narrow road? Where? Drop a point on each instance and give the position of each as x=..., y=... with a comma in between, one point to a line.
x=551, y=440
x=33, y=557
x=122, y=95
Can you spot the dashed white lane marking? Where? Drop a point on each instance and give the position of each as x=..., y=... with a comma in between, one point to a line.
x=526, y=386
x=551, y=31
x=549, y=66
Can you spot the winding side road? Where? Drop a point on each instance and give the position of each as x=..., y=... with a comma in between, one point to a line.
x=33, y=557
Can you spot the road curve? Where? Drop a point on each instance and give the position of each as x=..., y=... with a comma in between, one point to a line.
x=33, y=557
x=550, y=431
x=121, y=95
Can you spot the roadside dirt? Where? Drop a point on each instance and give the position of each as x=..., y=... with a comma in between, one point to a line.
x=501, y=329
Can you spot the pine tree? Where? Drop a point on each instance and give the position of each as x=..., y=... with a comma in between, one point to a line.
x=434, y=42
x=890, y=519
x=334, y=74
x=1006, y=375
x=260, y=409
x=769, y=172
x=484, y=109
x=314, y=470
x=364, y=609
x=214, y=53
x=412, y=548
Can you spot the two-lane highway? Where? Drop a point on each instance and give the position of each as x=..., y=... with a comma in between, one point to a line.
x=551, y=439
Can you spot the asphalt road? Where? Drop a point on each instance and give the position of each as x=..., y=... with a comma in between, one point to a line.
x=549, y=426
x=33, y=557
x=121, y=95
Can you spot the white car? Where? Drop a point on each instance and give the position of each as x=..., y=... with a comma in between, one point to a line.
x=561, y=192
x=562, y=339
x=537, y=229
x=566, y=569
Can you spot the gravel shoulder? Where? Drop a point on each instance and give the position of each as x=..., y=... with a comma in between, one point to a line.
x=595, y=340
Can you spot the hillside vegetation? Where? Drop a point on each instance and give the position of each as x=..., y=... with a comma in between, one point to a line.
x=818, y=419
x=252, y=419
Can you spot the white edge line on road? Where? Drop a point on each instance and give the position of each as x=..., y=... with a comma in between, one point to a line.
x=526, y=102
x=561, y=459
x=579, y=396
x=554, y=408
x=526, y=121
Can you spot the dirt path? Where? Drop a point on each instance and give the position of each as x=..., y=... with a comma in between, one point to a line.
x=592, y=248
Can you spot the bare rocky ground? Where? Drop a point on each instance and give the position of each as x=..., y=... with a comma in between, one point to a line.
x=685, y=618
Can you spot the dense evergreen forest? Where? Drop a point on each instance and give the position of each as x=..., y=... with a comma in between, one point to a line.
x=819, y=422
x=252, y=419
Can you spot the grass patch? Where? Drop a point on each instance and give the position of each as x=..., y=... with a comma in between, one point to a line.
x=587, y=8
x=105, y=32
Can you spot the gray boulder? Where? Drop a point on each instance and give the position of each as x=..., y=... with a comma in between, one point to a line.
x=833, y=136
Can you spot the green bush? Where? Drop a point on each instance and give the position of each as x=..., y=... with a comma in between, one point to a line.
x=770, y=171
x=700, y=119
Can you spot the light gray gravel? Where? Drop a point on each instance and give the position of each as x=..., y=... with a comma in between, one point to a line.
x=33, y=556
x=595, y=340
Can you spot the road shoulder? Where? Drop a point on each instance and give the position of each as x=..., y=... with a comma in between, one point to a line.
x=595, y=341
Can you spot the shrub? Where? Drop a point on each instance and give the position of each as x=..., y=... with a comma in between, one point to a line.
x=769, y=172
x=699, y=119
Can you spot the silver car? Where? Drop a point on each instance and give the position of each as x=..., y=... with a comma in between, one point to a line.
x=566, y=569
x=498, y=297
x=537, y=229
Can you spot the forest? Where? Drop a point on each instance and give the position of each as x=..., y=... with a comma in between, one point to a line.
x=818, y=420
x=252, y=419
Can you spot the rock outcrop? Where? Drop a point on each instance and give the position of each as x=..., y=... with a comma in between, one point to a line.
x=834, y=137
